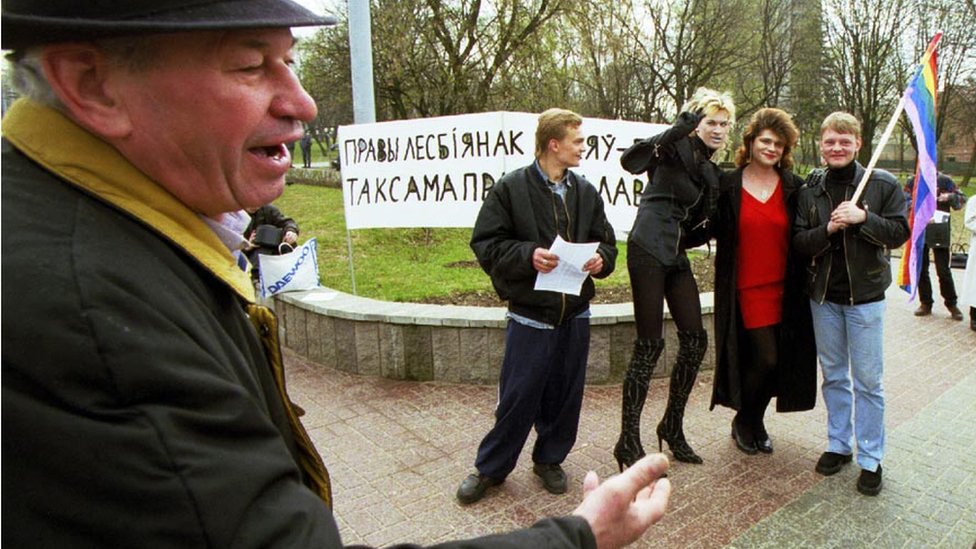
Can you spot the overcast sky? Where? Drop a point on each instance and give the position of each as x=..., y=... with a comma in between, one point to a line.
x=317, y=6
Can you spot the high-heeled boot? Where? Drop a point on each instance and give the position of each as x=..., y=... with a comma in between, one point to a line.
x=628, y=448
x=691, y=350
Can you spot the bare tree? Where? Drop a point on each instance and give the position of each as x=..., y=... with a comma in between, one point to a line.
x=863, y=42
x=956, y=57
x=694, y=43
x=324, y=71
x=962, y=120
x=608, y=71
x=765, y=81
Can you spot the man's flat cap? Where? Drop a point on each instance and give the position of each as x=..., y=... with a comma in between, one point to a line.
x=29, y=23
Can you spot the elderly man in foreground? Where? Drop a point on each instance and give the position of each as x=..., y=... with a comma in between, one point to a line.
x=144, y=402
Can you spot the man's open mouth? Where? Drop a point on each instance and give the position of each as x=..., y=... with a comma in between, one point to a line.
x=276, y=152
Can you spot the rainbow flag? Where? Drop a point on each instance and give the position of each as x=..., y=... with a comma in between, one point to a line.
x=919, y=101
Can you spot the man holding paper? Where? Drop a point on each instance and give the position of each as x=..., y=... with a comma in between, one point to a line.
x=548, y=335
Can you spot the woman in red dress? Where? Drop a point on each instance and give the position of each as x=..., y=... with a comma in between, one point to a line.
x=763, y=335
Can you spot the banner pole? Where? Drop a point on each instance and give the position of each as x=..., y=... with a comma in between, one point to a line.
x=352, y=269
x=878, y=150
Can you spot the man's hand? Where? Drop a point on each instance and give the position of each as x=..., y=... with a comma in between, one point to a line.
x=847, y=213
x=290, y=237
x=594, y=264
x=543, y=260
x=621, y=509
x=834, y=227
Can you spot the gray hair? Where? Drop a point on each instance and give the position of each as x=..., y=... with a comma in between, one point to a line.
x=29, y=80
x=134, y=53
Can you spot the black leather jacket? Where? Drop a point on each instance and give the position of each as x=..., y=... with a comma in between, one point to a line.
x=522, y=214
x=865, y=245
x=680, y=197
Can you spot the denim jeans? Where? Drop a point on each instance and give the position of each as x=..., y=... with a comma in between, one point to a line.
x=850, y=342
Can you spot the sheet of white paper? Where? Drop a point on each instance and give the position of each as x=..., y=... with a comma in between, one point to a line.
x=568, y=276
x=938, y=216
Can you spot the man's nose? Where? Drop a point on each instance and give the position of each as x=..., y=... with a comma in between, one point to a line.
x=292, y=101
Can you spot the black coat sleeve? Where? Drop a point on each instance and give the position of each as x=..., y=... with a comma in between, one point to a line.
x=495, y=242
x=644, y=154
x=550, y=533
x=886, y=223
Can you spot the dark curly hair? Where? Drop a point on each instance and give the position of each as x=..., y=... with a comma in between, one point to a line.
x=773, y=119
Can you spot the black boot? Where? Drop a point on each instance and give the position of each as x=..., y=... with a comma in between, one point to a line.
x=972, y=318
x=628, y=448
x=691, y=350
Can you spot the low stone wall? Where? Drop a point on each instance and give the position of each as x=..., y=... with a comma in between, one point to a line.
x=445, y=342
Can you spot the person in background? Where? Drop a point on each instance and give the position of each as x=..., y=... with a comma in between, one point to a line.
x=268, y=214
x=306, y=144
x=947, y=199
x=673, y=215
x=547, y=341
x=144, y=402
x=764, y=341
x=968, y=296
x=847, y=277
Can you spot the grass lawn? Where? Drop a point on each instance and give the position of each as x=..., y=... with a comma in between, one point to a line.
x=395, y=264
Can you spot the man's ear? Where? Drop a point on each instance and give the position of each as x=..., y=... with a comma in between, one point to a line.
x=80, y=75
x=553, y=145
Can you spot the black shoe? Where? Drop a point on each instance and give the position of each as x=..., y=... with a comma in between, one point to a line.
x=869, y=483
x=474, y=486
x=743, y=440
x=764, y=444
x=553, y=477
x=954, y=312
x=679, y=447
x=831, y=462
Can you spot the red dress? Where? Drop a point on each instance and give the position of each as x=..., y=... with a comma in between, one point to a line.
x=761, y=258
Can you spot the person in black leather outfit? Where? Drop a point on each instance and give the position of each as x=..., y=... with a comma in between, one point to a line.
x=674, y=213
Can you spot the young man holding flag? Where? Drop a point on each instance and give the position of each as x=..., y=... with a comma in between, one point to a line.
x=847, y=242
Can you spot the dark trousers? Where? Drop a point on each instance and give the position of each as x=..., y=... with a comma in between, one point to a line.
x=946, y=287
x=542, y=386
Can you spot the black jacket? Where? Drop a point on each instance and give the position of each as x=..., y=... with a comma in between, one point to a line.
x=521, y=214
x=865, y=245
x=270, y=215
x=680, y=197
x=796, y=369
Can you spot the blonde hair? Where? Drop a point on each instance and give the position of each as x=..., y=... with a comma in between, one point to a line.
x=553, y=124
x=841, y=122
x=710, y=102
x=780, y=123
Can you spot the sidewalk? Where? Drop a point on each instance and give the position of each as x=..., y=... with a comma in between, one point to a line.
x=397, y=451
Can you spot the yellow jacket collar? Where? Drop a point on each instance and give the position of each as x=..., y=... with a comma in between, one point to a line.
x=91, y=164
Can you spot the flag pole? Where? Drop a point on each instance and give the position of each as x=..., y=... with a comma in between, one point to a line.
x=891, y=124
x=878, y=150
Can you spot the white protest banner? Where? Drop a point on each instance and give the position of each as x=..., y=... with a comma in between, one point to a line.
x=435, y=172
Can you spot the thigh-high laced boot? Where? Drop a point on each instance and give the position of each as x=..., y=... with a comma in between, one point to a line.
x=642, y=363
x=691, y=350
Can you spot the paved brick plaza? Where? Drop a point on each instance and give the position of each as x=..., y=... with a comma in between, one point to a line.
x=397, y=450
